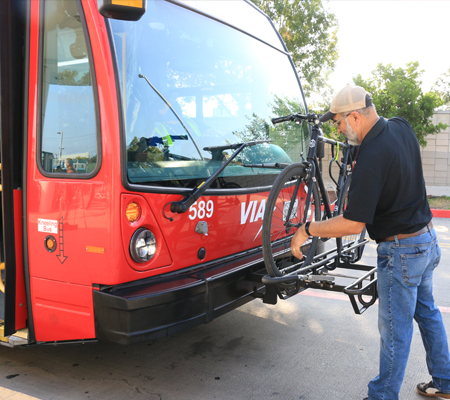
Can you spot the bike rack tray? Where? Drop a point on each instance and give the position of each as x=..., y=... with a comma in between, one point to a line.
x=318, y=275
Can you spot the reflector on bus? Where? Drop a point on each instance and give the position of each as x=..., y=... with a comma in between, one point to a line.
x=128, y=10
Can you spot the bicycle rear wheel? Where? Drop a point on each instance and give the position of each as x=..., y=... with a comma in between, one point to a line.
x=345, y=241
x=285, y=212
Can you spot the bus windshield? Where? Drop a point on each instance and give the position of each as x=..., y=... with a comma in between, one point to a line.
x=191, y=86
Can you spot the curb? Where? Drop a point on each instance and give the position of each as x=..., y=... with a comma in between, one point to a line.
x=440, y=213
x=436, y=213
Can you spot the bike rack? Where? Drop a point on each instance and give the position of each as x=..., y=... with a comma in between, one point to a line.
x=318, y=275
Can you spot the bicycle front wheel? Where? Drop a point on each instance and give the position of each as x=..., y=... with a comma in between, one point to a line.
x=346, y=241
x=285, y=212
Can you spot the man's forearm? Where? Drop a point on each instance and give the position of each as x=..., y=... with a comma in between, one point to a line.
x=335, y=227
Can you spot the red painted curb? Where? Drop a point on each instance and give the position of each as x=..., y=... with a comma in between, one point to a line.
x=436, y=213
x=441, y=213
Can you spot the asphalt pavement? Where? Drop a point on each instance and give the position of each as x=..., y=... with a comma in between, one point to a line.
x=310, y=347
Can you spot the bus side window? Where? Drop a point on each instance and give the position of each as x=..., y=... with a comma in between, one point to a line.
x=68, y=130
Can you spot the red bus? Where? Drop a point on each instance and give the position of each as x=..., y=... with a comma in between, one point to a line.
x=130, y=129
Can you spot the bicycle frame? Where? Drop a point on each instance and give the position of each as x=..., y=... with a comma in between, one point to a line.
x=314, y=273
x=316, y=134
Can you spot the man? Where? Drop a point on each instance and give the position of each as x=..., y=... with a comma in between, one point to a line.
x=388, y=195
x=69, y=165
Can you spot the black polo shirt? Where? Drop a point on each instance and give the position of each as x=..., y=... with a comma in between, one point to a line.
x=387, y=192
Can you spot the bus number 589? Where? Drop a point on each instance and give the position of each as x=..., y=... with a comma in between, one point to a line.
x=201, y=210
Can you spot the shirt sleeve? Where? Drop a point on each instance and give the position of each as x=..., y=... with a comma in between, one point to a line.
x=363, y=196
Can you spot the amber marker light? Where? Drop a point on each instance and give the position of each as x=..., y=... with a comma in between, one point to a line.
x=133, y=212
x=128, y=3
x=50, y=244
x=128, y=10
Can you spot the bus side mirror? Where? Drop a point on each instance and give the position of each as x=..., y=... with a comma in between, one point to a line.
x=128, y=10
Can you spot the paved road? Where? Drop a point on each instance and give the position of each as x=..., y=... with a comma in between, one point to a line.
x=310, y=347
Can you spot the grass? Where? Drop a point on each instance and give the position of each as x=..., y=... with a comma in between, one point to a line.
x=439, y=202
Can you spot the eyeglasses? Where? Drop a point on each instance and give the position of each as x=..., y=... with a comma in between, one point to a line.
x=338, y=122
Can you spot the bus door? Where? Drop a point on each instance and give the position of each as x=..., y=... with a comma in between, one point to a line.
x=13, y=310
x=69, y=194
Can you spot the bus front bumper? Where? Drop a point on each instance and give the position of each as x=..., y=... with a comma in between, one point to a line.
x=161, y=306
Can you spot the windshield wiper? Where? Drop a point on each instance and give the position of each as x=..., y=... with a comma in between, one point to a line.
x=182, y=206
x=175, y=113
x=217, y=151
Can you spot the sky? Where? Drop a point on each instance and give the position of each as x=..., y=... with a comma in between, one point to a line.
x=391, y=32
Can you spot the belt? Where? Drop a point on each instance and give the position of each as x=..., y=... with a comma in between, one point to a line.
x=401, y=236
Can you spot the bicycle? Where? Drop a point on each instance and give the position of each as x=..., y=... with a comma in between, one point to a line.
x=294, y=199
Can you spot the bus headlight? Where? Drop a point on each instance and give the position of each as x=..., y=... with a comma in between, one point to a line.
x=142, y=245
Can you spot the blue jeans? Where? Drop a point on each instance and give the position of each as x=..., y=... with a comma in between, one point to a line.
x=405, y=289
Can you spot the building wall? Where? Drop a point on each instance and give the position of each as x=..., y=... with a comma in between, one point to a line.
x=435, y=156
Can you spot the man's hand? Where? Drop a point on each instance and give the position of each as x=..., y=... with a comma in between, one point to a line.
x=333, y=227
x=298, y=239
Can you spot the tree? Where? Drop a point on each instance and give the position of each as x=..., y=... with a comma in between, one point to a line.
x=397, y=92
x=68, y=77
x=442, y=88
x=309, y=31
x=291, y=137
x=321, y=106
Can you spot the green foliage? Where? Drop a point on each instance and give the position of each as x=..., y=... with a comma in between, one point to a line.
x=134, y=144
x=291, y=137
x=146, y=153
x=309, y=31
x=288, y=135
x=397, y=92
x=442, y=88
x=257, y=129
x=286, y=106
x=321, y=107
x=68, y=77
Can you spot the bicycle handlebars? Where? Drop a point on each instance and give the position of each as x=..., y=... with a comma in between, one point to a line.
x=283, y=119
x=311, y=118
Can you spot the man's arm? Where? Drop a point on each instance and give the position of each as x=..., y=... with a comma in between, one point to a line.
x=333, y=227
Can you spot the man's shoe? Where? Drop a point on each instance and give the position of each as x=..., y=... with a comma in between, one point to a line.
x=429, y=390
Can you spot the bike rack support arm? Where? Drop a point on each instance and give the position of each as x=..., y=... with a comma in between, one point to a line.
x=315, y=276
x=267, y=280
x=356, y=289
x=268, y=165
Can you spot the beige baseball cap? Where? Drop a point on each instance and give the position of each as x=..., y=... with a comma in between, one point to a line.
x=349, y=98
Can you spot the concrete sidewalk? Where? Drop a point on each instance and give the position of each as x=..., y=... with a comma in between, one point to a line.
x=310, y=347
x=438, y=190
x=6, y=394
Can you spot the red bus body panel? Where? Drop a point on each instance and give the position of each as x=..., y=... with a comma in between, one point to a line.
x=235, y=225
x=93, y=233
